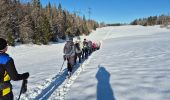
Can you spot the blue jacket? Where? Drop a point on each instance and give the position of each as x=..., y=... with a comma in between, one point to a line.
x=8, y=72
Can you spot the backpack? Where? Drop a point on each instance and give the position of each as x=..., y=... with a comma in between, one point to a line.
x=77, y=45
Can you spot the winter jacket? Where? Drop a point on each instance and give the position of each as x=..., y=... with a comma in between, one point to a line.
x=98, y=45
x=90, y=44
x=8, y=72
x=69, y=49
x=94, y=46
x=85, y=45
x=81, y=45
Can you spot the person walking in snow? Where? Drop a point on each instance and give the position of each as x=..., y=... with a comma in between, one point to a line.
x=98, y=45
x=8, y=72
x=94, y=46
x=85, y=49
x=89, y=47
x=69, y=54
x=78, y=50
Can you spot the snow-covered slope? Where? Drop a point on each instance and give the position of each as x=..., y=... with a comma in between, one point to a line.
x=133, y=68
x=133, y=64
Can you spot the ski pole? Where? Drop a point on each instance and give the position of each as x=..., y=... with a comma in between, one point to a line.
x=23, y=88
x=19, y=95
x=62, y=66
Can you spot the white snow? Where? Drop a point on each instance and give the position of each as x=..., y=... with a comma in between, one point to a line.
x=132, y=64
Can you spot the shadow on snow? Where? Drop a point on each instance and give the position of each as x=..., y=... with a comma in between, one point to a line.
x=104, y=89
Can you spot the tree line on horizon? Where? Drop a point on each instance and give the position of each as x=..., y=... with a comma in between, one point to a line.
x=152, y=20
x=32, y=23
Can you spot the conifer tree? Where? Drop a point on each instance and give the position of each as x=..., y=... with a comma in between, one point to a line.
x=46, y=30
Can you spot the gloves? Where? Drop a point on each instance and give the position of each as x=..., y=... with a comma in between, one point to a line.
x=25, y=75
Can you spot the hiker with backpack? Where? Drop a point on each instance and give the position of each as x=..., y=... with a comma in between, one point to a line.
x=8, y=72
x=94, y=46
x=78, y=50
x=69, y=54
x=98, y=45
x=89, y=47
x=85, y=49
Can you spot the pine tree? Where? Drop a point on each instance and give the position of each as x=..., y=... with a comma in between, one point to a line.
x=46, y=30
x=54, y=24
x=36, y=3
x=26, y=29
x=59, y=7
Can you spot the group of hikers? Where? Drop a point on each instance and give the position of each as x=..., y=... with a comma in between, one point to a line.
x=8, y=72
x=78, y=50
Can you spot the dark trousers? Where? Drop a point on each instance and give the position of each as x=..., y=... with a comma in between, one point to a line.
x=9, y=96
x=69, y=66
x=90, y=51
x=78, y=55
x=85, y=53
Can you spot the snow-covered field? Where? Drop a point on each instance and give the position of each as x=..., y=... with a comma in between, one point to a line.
x=132, y=64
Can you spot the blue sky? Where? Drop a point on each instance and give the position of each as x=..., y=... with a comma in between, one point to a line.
x=114, y=11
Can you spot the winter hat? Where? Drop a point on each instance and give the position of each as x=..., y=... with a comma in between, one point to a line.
x=3, y=43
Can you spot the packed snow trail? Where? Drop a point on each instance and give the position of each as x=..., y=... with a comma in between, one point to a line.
x=61, y=82
x=61, y=92
x=44, y=62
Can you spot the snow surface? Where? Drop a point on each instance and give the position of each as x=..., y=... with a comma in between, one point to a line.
x=132, y=64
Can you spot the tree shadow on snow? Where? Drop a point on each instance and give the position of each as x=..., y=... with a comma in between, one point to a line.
x=104, y=89
x=56, y=82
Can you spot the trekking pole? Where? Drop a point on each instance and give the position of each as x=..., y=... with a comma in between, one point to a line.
x=23, y=88
x=62, y=66
x=19, y=94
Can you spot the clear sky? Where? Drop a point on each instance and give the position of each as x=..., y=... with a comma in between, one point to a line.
x=114, y=11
